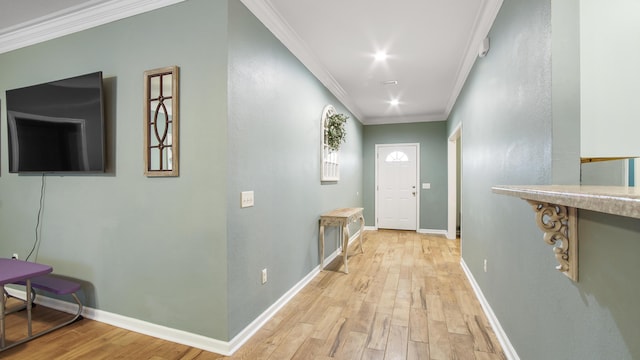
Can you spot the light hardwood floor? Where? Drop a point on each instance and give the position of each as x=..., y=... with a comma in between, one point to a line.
x=406, y=297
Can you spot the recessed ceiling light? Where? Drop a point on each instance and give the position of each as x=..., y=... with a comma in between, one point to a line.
x=394, y=102
x=381, y=56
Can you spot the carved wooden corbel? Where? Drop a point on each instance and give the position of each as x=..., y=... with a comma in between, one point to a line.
x=559, y=224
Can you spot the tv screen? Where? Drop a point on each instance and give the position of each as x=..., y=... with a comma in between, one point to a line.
x=57, y=126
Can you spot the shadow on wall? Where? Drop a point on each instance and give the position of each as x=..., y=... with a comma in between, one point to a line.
x=110, y=94
x=609, y=270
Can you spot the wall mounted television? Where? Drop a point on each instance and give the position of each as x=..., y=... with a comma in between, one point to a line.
x=57, y=127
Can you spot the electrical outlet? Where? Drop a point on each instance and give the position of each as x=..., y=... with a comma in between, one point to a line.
x=485, y=265
x=15, y=256
x=246, y=199
x=264, y=276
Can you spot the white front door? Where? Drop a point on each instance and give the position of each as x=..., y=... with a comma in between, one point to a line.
x=396, y=184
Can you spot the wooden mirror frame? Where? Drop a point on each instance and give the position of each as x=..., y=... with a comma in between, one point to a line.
x=161, y=120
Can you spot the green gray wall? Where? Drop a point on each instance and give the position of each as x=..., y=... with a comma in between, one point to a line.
x=432, y=137
x=146, y=248
x=509, y=136
x=275, y=106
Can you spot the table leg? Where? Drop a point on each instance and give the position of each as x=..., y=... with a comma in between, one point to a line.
x=361, y=218
x=321, y=238
x=345, y=245
x=29, y=300
x=2, y=309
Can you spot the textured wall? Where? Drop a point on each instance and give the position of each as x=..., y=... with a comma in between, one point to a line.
x=509, y=136
x=144, y=247
x=275, y=105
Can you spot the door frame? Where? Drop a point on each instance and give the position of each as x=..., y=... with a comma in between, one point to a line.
x=418, y=187
x=452, y=172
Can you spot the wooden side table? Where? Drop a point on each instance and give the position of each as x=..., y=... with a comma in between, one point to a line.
x=341, y=218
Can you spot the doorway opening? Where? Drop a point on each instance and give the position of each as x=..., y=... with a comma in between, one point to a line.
x=453, y=175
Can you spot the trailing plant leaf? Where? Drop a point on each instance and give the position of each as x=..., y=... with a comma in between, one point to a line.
x=336, y=133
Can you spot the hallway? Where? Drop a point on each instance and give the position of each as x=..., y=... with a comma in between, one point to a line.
x=406, y=297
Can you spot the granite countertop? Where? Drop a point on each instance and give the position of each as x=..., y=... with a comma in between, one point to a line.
x=617, y=200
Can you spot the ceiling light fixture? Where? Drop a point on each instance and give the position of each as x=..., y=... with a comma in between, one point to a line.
x=381, y=56
x=394, y=102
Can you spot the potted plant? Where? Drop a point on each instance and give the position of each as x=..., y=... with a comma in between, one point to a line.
x=335, y=131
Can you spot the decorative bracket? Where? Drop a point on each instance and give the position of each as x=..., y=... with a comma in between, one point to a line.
x=560, y=226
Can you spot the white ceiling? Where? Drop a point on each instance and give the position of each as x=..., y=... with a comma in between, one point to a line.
x=431, y=44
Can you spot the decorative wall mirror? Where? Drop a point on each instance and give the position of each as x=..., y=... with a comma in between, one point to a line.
x=161, y=122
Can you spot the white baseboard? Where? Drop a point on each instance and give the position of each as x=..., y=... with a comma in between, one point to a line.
x=256, y=324
x=507, y=347
x=420, y=231
x=226, y=348
x=128, y=323
x=432, y=231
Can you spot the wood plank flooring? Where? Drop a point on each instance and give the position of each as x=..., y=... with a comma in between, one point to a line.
x=406, y=297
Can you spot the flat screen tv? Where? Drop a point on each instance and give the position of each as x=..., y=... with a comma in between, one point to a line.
x=57, y=127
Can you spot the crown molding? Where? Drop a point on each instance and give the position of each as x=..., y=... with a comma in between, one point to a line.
x=404, y=119
x=266, y=12
x=483, y=24
x=74, y=20
x=275, y=22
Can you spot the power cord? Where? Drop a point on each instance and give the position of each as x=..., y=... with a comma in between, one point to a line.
x=36, y=243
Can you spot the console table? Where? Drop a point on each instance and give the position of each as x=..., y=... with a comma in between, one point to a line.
x=12, y=271
x=341, y=218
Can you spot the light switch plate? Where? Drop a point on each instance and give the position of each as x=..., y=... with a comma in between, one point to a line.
x=246, y=199
x=426, y=185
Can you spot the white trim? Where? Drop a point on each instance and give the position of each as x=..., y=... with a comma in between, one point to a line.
x=404, y=119
x=85, y=17
x=483, y=24
x=226, y=348
x=452, y=176
x=507, y=347
x=275, y=22
x=132, y=324
x=246, y=334
x=432, y=231
x=419, y=231
x=265, y=11
x=375, y=183
x=76, y=19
